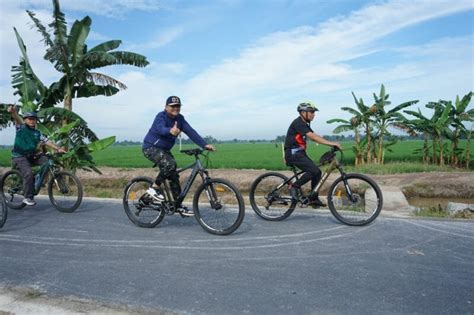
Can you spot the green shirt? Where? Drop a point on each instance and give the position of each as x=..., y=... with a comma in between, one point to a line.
x=27, y=140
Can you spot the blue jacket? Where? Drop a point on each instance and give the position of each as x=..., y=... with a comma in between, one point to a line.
x=159, y=134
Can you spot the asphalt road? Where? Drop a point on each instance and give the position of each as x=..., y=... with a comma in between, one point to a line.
x=306, y=264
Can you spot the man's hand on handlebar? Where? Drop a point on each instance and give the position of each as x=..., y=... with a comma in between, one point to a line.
x=336, y=146
x=209, y=147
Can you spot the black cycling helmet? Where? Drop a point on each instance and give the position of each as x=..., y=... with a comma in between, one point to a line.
x=30, y=115
x=307, y=106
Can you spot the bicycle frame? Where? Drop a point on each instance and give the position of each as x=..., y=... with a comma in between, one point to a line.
x=42, y=172
x=197, y=169
x=334, y=164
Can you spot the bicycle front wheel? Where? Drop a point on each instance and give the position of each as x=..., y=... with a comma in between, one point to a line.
x=3, y=211
x=65, y=191
x=138, y=205
x=270, y=197
x=12, y=189
x=355, y=199
x=219, y=207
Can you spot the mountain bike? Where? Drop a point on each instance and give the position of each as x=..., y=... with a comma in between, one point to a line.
x=64, y=188
x=217, y=204
x=3, y=211
x=354, y=199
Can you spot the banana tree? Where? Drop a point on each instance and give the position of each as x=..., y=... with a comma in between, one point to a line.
x=421, y=125
x=364, y=115
x=458, y=116
x=468, y=149
x=72, y=135
x=70, y=56
x=385, y=119
x=351, y=125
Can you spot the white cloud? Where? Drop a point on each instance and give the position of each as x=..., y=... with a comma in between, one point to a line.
x=159, y=40
x=304, y=55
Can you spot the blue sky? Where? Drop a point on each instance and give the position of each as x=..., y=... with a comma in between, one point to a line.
x=241, y=67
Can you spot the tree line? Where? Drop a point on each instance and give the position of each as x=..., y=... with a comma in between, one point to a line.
x=441, y=132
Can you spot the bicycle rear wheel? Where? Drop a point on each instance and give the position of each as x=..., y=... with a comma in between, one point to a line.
x=139, y=206
x=12, y=189
x=218, y=206
x=355, y=199
x=65, y=191
x=270, y=197
x=3, y=211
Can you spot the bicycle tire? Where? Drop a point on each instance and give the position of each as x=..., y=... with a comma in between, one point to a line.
x=60, y=186
x=280, y=201
x=367, y=204
x=3, y=211
x=133, y=204
x=220, y=218
x=12, y=189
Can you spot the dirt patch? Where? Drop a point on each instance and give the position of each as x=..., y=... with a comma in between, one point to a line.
x=429, y=184
x=16, y=300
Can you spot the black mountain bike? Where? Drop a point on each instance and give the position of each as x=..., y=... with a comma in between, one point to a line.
x=217, y=204
x=3, y=211
x=64, y=188
x=354, y=199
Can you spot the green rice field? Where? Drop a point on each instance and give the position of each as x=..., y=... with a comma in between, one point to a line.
x=240, y=155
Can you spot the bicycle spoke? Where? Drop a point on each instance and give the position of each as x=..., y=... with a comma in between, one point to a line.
x=270, y=197
x=219, y=207
x=139, y=206
x=356, y=201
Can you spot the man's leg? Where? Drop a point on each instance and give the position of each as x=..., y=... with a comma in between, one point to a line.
x=167, y=164
x=311, y=172
x=24, y=167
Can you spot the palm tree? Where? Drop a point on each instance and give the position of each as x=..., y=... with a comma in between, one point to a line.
x=71, y=57
x=385, y=119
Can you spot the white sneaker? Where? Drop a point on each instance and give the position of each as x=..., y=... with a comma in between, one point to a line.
x=156, y=194
x=29, y=201
x=185, y=212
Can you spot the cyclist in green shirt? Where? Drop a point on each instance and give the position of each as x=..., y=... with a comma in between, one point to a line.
x=24, y=153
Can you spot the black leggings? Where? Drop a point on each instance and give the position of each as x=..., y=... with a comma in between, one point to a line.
x=304, y=163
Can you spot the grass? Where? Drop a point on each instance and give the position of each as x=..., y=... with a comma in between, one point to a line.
x=263, y=156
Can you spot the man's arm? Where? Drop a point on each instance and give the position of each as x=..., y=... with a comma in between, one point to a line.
x=12, y=110
x=193, y=135
x=321, y=140
x=158, y=126
x=55, y=147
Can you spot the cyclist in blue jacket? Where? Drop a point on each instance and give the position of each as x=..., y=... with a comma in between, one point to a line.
x=159, y=141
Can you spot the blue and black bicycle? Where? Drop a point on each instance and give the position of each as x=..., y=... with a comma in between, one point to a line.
x=64, y=188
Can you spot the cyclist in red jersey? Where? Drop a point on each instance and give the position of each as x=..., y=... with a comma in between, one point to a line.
x=295, y=151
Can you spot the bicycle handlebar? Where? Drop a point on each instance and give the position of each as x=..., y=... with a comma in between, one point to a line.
x=195, y=151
